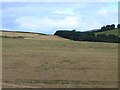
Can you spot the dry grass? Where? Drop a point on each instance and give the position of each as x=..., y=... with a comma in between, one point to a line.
x=52, y=63
x=33, y=36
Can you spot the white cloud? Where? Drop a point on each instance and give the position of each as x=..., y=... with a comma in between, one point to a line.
x=49, y=17
x=107, y=11
x=48, y=25
x=65, y=11
x=45, y=24
x=108, y=15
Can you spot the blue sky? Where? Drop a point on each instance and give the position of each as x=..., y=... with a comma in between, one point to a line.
x=47, y=17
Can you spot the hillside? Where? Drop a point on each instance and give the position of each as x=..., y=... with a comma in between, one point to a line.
x=110, y=32
x=29, y=35
x=47, y=61
x=89, y=36
x=58, y=64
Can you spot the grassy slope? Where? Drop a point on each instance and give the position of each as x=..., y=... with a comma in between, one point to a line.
x=112, y=32
x=27, y=35
x=22, y=32
x=54, y=63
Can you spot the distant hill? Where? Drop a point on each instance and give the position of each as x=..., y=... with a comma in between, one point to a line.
x=107, y=33
x=93, y=30
x=110, y=32
x=22, y=32
x=110, y=36
x=29, y=35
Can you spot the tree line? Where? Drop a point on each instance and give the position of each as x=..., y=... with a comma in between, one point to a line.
x=107, y=28
x=89, y=36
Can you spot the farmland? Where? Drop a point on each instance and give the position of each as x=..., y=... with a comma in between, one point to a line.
x=47, y=61
x=111, y=32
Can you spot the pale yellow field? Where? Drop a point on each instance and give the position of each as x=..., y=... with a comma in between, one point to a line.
x=32, y=36
x=49, y=63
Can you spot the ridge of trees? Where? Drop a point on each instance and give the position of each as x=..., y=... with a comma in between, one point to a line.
x=90, y=36
x=107, y=28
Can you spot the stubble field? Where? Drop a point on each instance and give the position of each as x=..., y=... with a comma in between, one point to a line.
x=58, y=64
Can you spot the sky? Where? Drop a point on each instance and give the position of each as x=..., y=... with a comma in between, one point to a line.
x=48, y=17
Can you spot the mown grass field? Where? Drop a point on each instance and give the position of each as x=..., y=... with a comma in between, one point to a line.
x=111, y=32
x=59, y=63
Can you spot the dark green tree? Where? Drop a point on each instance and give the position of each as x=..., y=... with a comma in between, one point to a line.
x=118, y=26
x=108, y=27
x=113, y=26
x=103, y=28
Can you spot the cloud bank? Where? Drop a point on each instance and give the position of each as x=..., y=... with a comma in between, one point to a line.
x=46, y=17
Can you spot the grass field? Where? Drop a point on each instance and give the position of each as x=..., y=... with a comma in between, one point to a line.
x=52, y=63
x=31, y=36
x=111, y=32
